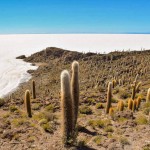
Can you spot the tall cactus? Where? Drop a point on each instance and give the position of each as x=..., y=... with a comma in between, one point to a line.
x=133, y=90
x=75, y=90
x=109, y=97
x=148, y=96
x=135, y=87
x=33, y=90
x=66, y=106
x=28, y=103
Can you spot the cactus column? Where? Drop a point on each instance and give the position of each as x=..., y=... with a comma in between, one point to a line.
x=121, y=106
x=133, y=90
x=66, y=106
x=33, y=90
x=27, y=103
x=130, y=104
x=75, y=90
x=109, y=97
x=148, y=96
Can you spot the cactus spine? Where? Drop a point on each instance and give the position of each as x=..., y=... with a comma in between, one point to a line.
x=33, y=90
x=148, y=96
x=66, y=106
x=109, y=97
x=75, y=90
x=28, y=103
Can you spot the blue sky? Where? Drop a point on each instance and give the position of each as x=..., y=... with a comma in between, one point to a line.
x=74, y=16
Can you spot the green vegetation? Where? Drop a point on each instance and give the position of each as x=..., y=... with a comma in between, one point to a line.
x=109, y=129
x=98, y=140
x=36, y=106
x=13, y=108
x=99, y=106
x=99, y=123
x=50, y=108
x=124, y=141
x=85, y=110
x=124, y=95
x=141, y=120
x=19, y=122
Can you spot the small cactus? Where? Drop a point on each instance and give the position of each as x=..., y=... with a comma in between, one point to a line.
x=121, y=106
x=135, y=87
x=111, y=111
x=113, y=83
x=130, y=104
x=118, y=105
x=66, y=106
x=109, y=97
x=120, y=82
x=33, y=90
x=28, y=103
x=138, y=102
x=134, y=105
x=75, y=90
x=148, y=96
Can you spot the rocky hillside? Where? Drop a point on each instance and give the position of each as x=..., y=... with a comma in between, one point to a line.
x=121, y=129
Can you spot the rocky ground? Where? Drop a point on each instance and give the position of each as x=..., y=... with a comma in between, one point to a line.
x=124, y=130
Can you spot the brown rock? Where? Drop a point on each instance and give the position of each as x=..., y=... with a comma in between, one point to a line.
x=21, y=57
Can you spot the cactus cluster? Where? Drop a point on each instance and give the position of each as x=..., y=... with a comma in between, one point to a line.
x=70, y=92
x=27, y=100
x=69, y=102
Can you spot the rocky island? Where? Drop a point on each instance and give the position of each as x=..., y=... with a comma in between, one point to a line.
x=113, y=109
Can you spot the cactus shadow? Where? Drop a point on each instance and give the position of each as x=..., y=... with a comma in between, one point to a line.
x=84, y=148
x=83, y=129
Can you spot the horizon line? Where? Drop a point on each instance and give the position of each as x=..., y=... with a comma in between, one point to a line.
x=78, y=33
